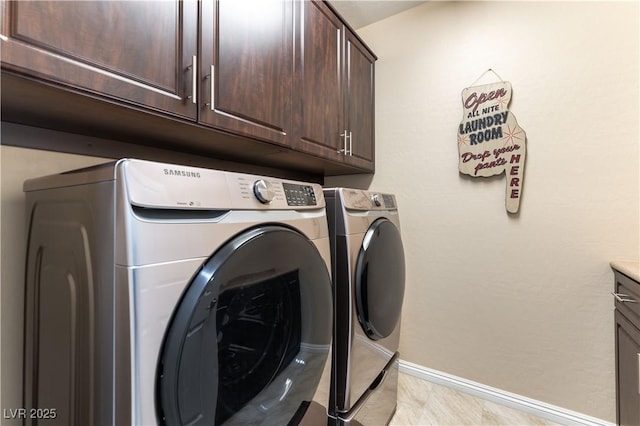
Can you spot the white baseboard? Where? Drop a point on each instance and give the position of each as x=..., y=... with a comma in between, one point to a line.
x=518, y=402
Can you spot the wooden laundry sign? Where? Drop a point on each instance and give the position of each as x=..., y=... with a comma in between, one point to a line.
x=489, y=139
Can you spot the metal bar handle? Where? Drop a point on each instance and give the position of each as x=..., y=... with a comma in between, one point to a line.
x=194, y=78
x=624, y=298
x=350, y=143
x=213, y=88
x=344, y=136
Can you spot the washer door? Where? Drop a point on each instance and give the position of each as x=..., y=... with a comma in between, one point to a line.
x=249, y=339
x=379, y=279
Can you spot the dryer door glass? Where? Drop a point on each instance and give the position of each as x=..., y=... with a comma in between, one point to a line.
x=380, y=279
x=251, y=335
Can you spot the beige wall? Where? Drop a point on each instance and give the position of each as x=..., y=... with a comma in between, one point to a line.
x=518, y=303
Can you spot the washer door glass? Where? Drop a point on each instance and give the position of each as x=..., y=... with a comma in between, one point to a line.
x=249, y=339
x=380, y=273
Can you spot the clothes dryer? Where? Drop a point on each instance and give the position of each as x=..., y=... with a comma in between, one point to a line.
x=369, y=281
x=165, y=294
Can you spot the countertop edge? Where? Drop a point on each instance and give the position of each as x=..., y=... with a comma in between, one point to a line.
x=627, y=267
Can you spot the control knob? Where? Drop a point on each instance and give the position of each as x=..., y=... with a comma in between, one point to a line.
x=376, y=200
x=263, y=191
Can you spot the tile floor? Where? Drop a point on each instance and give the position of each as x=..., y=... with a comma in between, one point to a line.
x=424, y=403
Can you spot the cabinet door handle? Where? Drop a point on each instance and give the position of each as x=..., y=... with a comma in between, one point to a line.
x=639, y=373
x=212, y=89
x=350, y=143
x=624, y=298
x=194, y=78
x=344, y=149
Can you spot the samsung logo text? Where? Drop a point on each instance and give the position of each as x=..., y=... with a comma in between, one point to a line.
x=183, y=173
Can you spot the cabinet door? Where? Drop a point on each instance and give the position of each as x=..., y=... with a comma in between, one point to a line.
x=319, y=110
x=135, y=51
x=360, y=107
x=627, y=374
x=247, y=66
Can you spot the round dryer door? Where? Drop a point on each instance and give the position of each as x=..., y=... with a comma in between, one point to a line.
x=379, y=280
x=249, y=339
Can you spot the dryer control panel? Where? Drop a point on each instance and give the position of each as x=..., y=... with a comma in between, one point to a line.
x=357, y=199
x=389, y=201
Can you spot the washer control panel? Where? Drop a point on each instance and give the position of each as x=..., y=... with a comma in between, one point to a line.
x=299, y=195
x=158, y=185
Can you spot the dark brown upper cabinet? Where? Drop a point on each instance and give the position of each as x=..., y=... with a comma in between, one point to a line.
x=334, y=82
x=247, y=67
x=140, y=52
x=360, y=102
x=205, y=73
x=319, y=112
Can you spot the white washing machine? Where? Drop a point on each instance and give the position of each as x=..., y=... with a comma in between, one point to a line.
x=165, y=294
x=369, y=280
